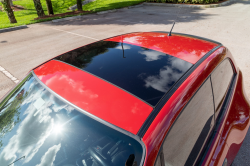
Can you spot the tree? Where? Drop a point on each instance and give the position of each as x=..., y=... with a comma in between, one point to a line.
x=11, y=3
x=9, y=11
x=79, y=5
x=49, y=7
x=39, y=8
x=11, y=115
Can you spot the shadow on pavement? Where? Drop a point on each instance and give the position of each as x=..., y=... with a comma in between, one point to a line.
x=140, y=15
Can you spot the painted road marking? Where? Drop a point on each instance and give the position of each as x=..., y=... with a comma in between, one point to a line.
x=10, y=76
x=75, y=34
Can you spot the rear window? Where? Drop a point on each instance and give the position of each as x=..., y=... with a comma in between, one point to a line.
x=37, y=128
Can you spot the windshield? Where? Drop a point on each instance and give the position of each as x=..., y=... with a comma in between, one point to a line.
x=39, y=129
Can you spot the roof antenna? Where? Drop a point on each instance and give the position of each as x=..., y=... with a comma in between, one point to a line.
x=170, y=33
x=123, y=48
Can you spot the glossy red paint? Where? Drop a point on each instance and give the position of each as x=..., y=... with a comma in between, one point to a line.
x=233, y=127
x=183, y=47
x=163, y=121
x=94, y=95
x=218, y=149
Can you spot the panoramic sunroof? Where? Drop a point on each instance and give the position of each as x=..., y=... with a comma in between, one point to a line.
x=143, y=72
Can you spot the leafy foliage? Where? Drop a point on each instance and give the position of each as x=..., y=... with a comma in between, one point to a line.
x=11, y=115
x=9, y=109
x=4, y=6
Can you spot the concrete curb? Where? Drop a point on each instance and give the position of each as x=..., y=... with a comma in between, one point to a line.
x=13, y=28
x=67, y=18
x=190, y=6
x=102, y=12
x=79, y=16
x=136, y=6
x=107, y=11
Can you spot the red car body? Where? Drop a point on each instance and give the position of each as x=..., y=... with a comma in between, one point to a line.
x=152, y=123
x=231, y=130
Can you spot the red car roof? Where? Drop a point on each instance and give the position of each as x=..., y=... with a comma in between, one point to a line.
x=89, y=82
x=94, y=95
x=186, y=48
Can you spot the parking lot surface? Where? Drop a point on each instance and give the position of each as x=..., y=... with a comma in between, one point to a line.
x=22, y=50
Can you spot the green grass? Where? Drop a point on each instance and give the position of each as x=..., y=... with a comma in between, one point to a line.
x=59, y=6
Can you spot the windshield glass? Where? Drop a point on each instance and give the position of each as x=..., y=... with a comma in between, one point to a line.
x=39, y=129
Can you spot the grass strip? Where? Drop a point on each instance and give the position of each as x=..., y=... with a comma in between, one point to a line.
x=59, y=6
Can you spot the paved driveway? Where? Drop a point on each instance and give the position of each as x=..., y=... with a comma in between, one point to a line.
x=22, y=50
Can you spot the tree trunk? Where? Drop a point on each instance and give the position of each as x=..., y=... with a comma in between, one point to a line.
x=49, y=7
x=9, y=11
x=79, y=5
x=11, y=3
x=39, y=8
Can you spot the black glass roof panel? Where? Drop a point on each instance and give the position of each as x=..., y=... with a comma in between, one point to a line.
x=143, y=72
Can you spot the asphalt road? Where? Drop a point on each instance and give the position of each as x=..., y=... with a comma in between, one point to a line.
x=22, y=50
